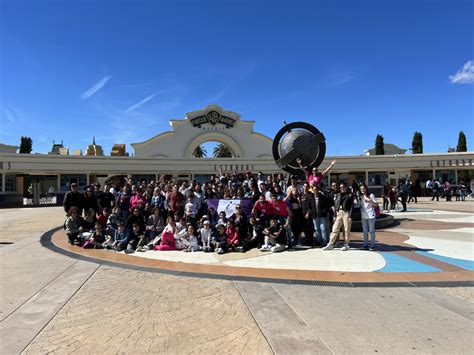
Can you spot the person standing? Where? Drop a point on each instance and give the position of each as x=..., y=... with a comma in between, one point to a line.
x=367, y=209
x=73, y=199
x=320, y=205
x=314, y=177
x=343, y=205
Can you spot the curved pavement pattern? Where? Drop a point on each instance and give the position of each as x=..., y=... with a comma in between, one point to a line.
x=403, y=255
x=51, y=302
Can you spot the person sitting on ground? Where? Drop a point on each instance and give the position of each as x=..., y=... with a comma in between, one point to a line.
x=121, y=237
x=254, y=237
x=275, y=237
x=167, y=240
x=114, y=218
x=88, y=222
x=241, y=223
x=96, y=239
x=232, y=236
x=190, y=240
x=154, y=227
x=73, y=226
x=282, y=213
x=136, y=218
x=219, y=240
x=104, y=217
x=135, y=235
x=206, y=234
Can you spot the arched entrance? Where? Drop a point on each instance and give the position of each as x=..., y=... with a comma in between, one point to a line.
x=214, y=137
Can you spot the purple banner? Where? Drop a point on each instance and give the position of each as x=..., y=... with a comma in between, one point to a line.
x=228, y=206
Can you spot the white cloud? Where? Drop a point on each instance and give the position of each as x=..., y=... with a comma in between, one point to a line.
x=465, y=75
x=95, y=88
x=141, y=103
x=340, y=78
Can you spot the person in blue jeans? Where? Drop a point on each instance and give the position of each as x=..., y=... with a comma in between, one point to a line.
x=367, y=210
x=319, y=208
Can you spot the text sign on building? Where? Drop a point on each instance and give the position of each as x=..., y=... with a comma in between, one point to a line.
x=213, y=118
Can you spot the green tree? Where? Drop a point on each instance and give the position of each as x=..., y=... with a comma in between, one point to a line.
x=200, y=152
x=221, y=151
x=462, y=145
x=417, y=143
x=26, y=145
x=379, y=149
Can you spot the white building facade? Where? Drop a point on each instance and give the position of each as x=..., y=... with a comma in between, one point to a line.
x=170, y=153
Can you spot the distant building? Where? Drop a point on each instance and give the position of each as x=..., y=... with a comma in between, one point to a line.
x=77, y=152
x=4, y=148
x=55, y=150
x=64, y=151
x=390, y=149
x=94, y=149
x=118, y=150
x=451, y=150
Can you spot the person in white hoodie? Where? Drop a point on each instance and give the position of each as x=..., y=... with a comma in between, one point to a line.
x=368, y=205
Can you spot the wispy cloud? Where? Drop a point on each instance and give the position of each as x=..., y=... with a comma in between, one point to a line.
x=96, y=87
x=8, y=114
x=239, y=75
x=465, y=75
x=141, y=103
x=341, y=78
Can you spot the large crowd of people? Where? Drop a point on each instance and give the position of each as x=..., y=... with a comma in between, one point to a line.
x=268, y=213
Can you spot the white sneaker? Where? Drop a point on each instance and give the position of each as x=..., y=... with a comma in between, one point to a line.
x=345, y=248
x=328, y=247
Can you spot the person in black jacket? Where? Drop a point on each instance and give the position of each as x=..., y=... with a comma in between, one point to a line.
x=320, y=205
x=136, y=218
x=73, y=199
x=90, y=201
x=308, y=227
x=343, y=204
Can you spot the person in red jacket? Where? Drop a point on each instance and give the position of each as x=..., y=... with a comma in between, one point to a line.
x=263, y=210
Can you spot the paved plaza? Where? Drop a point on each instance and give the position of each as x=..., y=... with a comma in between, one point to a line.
x=414, y=295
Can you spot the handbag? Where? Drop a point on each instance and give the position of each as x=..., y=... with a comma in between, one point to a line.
x=377, y=211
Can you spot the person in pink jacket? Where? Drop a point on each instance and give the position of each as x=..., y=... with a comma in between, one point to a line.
x=168, y=241
x=137, y=201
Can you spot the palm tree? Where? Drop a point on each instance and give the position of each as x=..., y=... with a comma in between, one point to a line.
x=221, y=151
x=200, y=152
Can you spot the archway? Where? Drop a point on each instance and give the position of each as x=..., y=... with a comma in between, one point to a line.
x=218, y=137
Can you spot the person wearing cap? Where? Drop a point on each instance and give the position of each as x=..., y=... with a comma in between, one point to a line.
x=205, y=234
x=73, y=199
x=314, y=175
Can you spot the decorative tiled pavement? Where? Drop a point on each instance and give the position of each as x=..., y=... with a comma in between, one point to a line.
x=414, y=252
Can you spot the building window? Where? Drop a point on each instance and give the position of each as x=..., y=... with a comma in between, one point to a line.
x=446, y=175
x=67, y=180
x=377, y=178
x=10, y=183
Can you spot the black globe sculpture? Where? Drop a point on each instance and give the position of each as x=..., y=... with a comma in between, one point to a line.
x=298, y=140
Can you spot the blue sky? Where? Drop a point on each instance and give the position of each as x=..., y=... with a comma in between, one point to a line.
x=119, y=70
